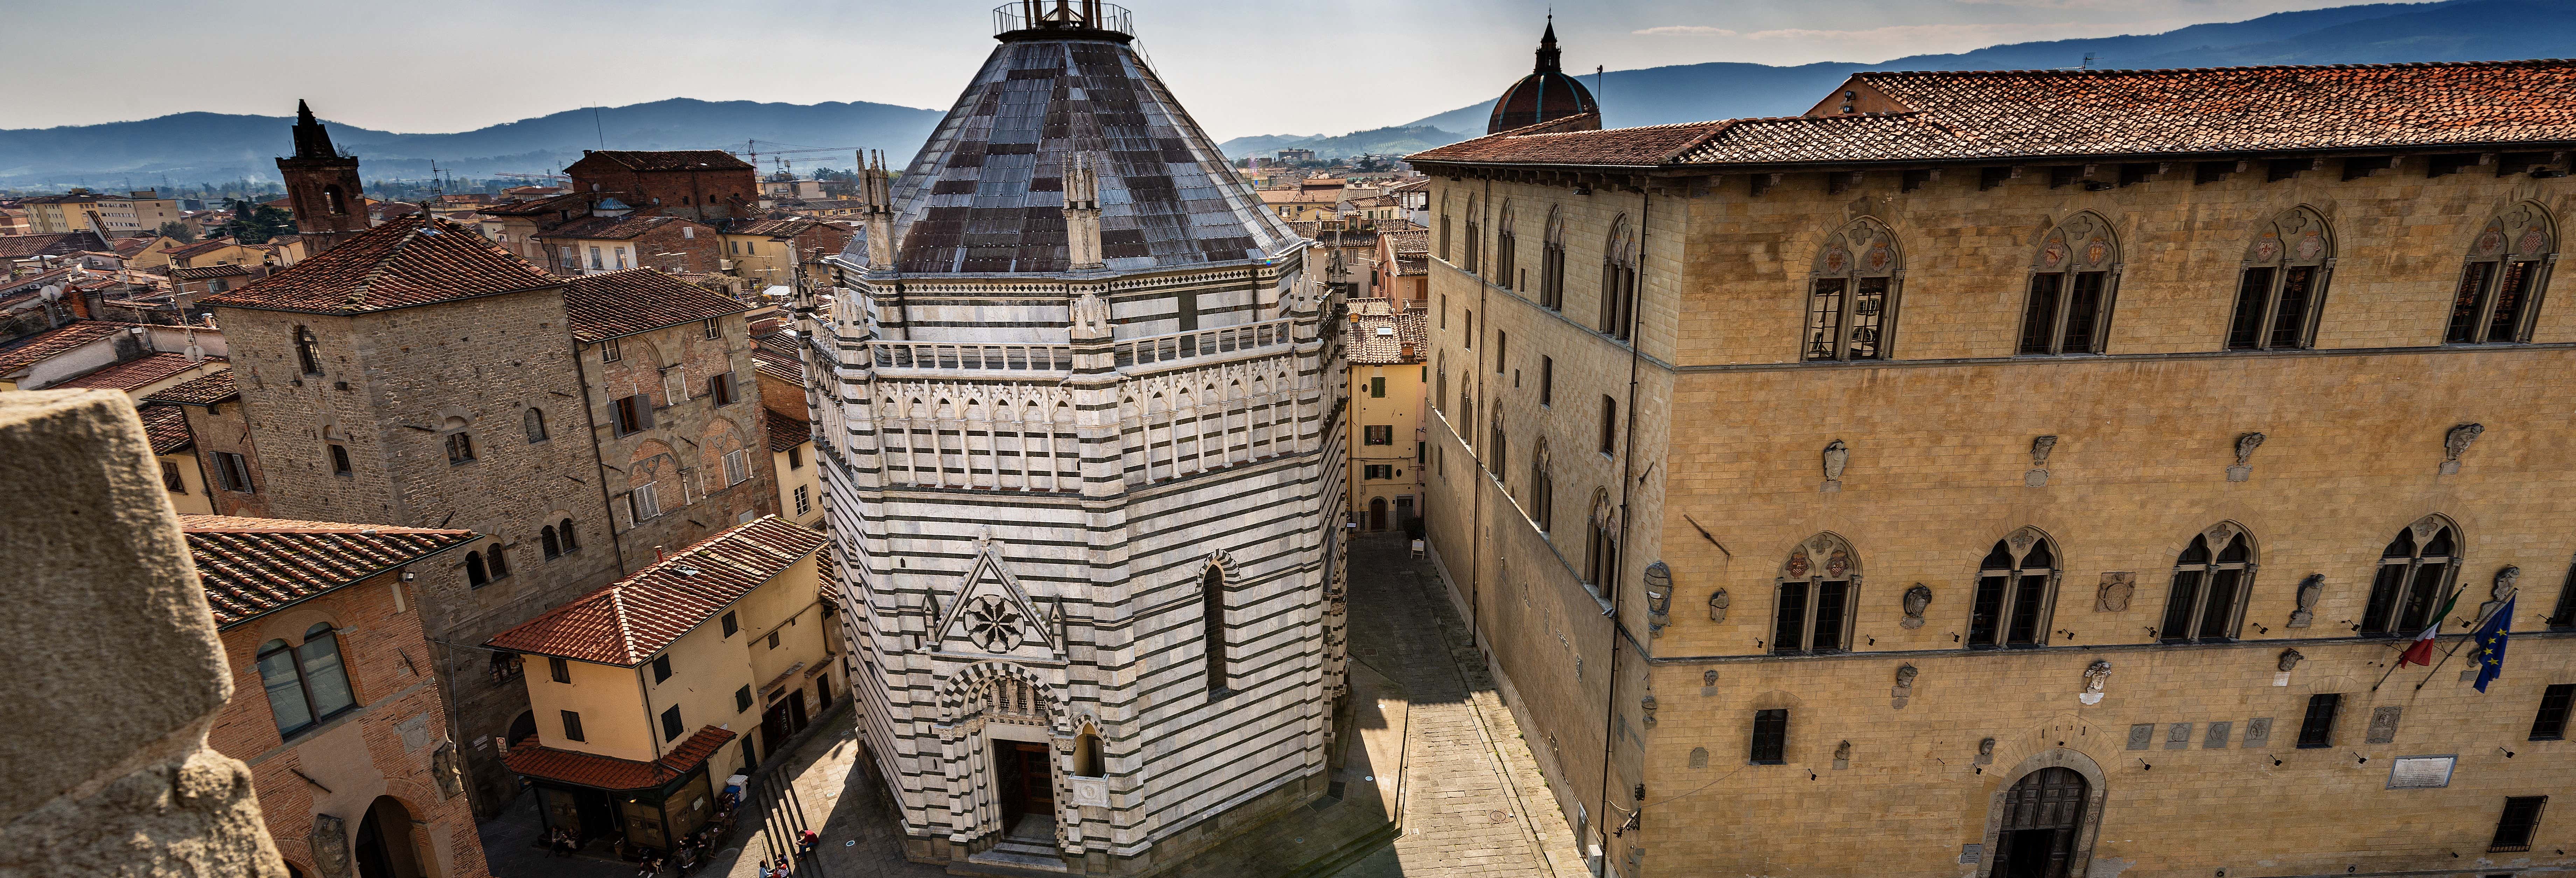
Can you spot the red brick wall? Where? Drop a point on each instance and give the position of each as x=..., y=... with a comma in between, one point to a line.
x=702, y=195
x=388, y=662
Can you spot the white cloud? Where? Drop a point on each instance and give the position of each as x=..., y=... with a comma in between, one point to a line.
x=1685, y=30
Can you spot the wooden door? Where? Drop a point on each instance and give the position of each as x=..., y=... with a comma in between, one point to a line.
x=1377, y=513
x=2042, y=814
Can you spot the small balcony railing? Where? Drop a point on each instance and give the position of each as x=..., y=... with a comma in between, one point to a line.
x=891, y=354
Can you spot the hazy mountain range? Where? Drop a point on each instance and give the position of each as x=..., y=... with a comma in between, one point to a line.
x=195, y=147
x=2459, y=30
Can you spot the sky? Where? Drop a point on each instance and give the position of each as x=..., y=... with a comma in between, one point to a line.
x=1242, y=67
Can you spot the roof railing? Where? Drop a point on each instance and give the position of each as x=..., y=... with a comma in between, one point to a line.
x=1044, y=16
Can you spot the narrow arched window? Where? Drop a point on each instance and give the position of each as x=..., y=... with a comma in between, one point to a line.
x=1812, y=612
x=460, y=448
x=2564, y=616
x=2499, y=294
x=1506, y=252
x=306, y=684
x=2071, y=283
x=1601, y=554
x=1212, y=610
x=536, y=422
x=2413, y=572
x=1475, y=236
x=475, y=575
x=1495, y=447
x=1852, y=293
x=2283, y=282
x=1542, y=490
x=2210, y=583
x=563, y=531
x=308, y=351
x=1619, y=280
x=2016, y=593
x=1551, y=263
x=499, y=562
x=1086, y=755
x=1442, y=241
x=335, y=200
x=553, y=547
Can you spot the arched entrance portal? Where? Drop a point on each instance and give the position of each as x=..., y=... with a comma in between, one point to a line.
x=2043, y=815
x=384, y=848
x=1377, y=513
x=523, y=728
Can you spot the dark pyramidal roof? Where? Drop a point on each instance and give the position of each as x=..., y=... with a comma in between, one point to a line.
x=1546, y=94
x=986, y=194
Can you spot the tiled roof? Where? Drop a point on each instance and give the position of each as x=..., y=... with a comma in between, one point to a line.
x=206, y=390
x=611, y=773
x=1994, y=115
x=200, y=248
x=670, y=159
x=552, y=204
x=167, y=427
x=786, y=432
x=410, y=260
x=136, y=372
x=55, y=342
x=1412, y=264
x=610, y=228
x=1369, y=346
x=628, y=623
x=620, y=303
x=251, y=566
x=777, y=228
x=1411, y=241
x=51, y=244
x=782, y=365
x=210, y=271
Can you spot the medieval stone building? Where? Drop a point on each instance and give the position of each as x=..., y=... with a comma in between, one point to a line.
x=322, y=186
x=1079, y=417
x=2025, y=473
x=415, y=374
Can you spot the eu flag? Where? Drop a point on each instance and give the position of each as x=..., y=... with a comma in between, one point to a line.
x=2490, y=642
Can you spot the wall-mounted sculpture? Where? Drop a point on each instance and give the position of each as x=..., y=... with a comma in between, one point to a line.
x=1659, y=598
x=2096, y=675
x=2244, y=468
x=2116, y=590
x=2289, y=660
x=2456, y=443
x=1917, y=599
x=1836, y=455
x=1904, y=691
x=2039, y=450
x=1717, y=604
x=2310, y=590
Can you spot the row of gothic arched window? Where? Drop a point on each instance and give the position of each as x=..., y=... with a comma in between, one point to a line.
x=1856, y=282
x=2016, y=590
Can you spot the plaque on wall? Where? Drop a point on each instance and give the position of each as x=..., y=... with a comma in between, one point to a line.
x=1092, y=791
x=1970, y=853
x=2421, y=772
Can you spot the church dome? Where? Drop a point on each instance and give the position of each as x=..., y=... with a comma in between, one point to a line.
x=1547, y=94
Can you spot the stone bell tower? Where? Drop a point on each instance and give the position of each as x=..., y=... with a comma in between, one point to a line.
x=322, y=186
x=1077, y=402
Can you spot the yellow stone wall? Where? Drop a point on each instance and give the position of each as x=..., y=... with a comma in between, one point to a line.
x=1939, y=470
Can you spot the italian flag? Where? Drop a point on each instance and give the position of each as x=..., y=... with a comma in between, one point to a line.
x=2421, y=651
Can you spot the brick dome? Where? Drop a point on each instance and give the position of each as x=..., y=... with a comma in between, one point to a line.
x=1546, y=94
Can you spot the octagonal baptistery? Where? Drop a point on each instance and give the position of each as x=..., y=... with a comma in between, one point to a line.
x=1078, y=415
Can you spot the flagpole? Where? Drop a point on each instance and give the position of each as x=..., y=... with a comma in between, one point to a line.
x=2401, y=659
x=2455, y=648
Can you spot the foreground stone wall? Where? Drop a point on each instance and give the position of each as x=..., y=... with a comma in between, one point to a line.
x=136, y=792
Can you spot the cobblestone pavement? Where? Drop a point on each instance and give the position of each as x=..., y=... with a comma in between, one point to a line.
x=1426, y=733
x=1472, y=798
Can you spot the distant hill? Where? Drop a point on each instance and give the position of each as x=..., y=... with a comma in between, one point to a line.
x=1384, y=141
x=195, y=147
x=2458, y=30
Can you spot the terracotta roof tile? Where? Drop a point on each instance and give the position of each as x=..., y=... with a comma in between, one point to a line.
x=569, y=201
x=55, y=342
x=251, y=566
x=206, y=390
x=136, y=372
x=209, y=272
x=670, y=159
x=610, y=228
x=628, y=623
x=782, y=366
x=786, y=432
x=621, y=303
x=777, y=228
x=611, y=773
x=167, y=427
x=1414, y=241
x=411, y=260
x=56, y=244
x=200, y=248
x=1368, y=346
x=1996, y=115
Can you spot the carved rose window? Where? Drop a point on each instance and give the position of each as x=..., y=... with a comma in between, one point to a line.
x=993, y=624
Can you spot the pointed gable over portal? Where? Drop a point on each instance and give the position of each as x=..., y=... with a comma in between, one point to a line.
x=991, y=615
